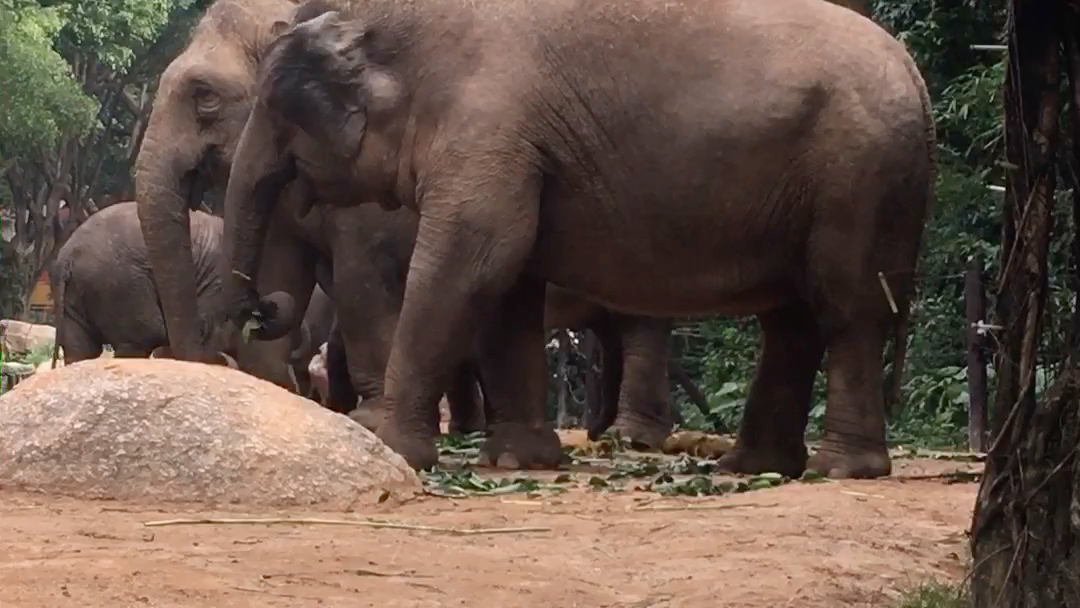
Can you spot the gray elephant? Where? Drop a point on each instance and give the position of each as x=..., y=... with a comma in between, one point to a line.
x=371, y=251
x=105, y=294
x=203, y=101
x=667, y=159
x=315, y=329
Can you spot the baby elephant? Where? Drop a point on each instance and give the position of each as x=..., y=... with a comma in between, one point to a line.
x=104, y=292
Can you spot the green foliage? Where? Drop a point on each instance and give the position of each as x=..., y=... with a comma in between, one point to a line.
x=74, y=76
x=934, y=594
x=936, y=412
x=12, y=284
x=115, y=28
x=36, y=356
x=42, y=101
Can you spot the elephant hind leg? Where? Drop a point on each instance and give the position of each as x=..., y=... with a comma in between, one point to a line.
x=514, y=367
x=466, y=406
x=854, y=442
x=644, y=406
x=774, y=420
x=78, y=342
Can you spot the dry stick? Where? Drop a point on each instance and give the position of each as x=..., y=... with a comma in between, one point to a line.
x=704, y=507
x=269, y=592
x=888, y=292
x=936, y=476
x=342, y=522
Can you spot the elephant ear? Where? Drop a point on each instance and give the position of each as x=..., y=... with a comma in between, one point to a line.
x=305, y=11
x=321, y=78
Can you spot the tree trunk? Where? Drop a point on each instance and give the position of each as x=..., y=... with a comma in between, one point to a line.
x=1025, y=531
x=1023, y=539
x=1032, y=104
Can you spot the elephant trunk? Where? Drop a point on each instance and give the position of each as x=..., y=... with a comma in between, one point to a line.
x=260, y=172
x=165, y=183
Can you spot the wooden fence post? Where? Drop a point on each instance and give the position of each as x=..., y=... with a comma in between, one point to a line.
x=975, y=305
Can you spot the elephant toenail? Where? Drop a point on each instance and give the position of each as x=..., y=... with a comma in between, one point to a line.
x=508, y=461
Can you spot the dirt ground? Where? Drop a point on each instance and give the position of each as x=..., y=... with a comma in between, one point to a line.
x=807, y=545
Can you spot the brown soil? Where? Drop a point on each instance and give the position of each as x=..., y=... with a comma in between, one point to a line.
x=849, y=543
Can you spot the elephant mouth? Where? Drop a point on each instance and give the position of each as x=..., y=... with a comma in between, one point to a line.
x=198, y=183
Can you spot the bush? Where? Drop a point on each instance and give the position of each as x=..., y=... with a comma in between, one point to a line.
x=934, y=594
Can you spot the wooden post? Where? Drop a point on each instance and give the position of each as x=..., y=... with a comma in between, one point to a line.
x=975, y=304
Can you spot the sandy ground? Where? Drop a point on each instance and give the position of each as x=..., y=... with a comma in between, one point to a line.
x=827, y=545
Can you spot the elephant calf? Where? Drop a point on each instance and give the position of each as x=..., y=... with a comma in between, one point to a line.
x=104, y=292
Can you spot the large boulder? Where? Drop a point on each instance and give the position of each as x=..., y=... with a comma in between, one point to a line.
x=22, y=337
x=162, y=430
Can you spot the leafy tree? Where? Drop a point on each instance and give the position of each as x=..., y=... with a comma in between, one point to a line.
x=77, y=77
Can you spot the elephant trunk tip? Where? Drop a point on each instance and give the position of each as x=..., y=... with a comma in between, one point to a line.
x=274, y=315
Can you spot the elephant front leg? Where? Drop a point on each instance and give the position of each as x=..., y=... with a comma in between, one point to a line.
x=771, y=435
x=514, y=366
x=644, y=407
x=475, y=234
x=854, y=443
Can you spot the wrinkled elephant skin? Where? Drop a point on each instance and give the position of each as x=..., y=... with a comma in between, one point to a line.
x=202, y=103
x=105, y=294
x=748, y=160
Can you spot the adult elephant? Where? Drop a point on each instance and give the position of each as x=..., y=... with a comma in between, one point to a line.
x=371, y=250
x=667, y=159
x=204, y=98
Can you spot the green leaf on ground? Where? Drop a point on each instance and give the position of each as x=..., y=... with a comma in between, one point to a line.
x=466, y=482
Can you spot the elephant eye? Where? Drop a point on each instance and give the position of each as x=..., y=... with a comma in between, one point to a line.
x=207, y=102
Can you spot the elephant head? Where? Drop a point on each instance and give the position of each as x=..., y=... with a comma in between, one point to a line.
x=319, y=83
x=203, y=100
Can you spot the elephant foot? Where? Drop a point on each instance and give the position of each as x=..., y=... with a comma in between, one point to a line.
x=753, y=461
x=417, y=448
x=518, y=446
x=465, y=427
x=371, y=413
x=642, y=434
x=837, y=462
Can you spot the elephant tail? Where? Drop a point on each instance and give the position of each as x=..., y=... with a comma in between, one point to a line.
x=892, y=396
x=896, y=375
x=61, y=273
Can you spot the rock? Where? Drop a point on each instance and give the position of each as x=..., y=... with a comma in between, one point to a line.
x=164, y=430
x=23, y=337
x=696, y=443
